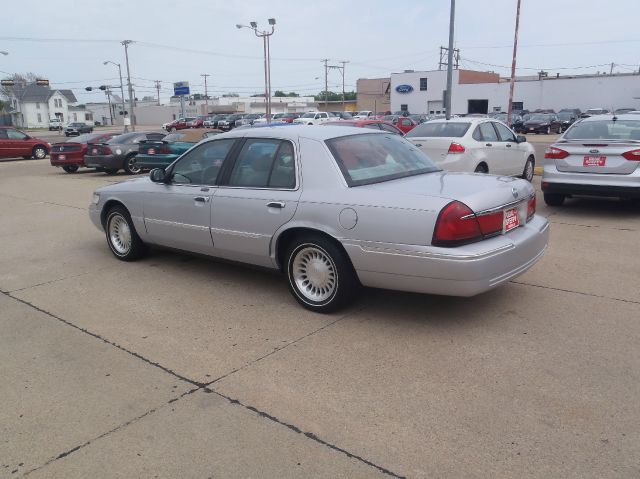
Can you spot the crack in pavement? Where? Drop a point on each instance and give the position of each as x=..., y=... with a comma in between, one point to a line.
x=574, y=292
x=55, y=280
x=204, y=387
x=592, y=226
x=43, y=202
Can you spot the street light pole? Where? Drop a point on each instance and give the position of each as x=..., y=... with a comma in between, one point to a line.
x=267, y=60
x=513, y=67
x=124, y=107
x=450, y=61
x=126, y=44
x=206, y=96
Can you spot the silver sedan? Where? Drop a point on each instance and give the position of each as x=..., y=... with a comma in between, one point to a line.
x=333, y=209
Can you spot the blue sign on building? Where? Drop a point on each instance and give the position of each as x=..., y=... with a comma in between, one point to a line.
x=404, y=88
x=181, y=88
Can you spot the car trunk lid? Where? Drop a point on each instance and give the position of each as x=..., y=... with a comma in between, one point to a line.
x=435, y=147
x=594, y=156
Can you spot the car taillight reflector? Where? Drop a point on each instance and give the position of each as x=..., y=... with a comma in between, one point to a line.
x=165, y=150
x=554, y=153
x=531, y=207
x=105, y=150
x=456, y=225
x=633, y=155
x=491, y=224
x=456, y=148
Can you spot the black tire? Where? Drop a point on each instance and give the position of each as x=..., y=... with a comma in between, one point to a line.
x=554, y=199
x=529, y=169
x=70, y=168
x=118, y=227
x=340, y=283
x=130, y=166
x=26, y=157
x=67, y=134
x=39, y=152
x=481, y=168
x=110, y=171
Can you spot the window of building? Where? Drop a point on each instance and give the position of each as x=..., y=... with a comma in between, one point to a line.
x=423, y=84
x=518, y=105
x=39, y=117
x=404, y=107
x=38, y=106
x=88, y=116
x=75, y=117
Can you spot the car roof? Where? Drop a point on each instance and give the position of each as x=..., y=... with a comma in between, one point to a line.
x=293, y=133
x=465, y=119
x=608, y=116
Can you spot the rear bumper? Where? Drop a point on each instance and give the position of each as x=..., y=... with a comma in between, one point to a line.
x=591, y=190
x=106, y=161
x=465, y=271
x=68, y=159
x=569, y=183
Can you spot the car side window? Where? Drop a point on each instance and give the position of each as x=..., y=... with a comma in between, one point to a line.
x=264, y=163
x=406, y=122
x=201, y=165
x=505, y=133
x=3, y=134
x=488, y=132
x=477, y=134
x=16, y=135
x=389, y=129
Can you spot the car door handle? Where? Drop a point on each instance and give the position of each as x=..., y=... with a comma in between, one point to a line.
x=419, y=145
x=276, y=204
x=488, y=144
x=201, y=199
x=508, y=145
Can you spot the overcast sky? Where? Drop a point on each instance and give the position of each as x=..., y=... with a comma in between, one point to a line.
x=180, y=40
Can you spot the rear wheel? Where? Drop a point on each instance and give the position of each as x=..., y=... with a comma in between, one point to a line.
x=122, y=238
x=130, y=165
x=481, y=168
x=529, y=168
x=70, y=168
x=321, y=277
x=554, y=199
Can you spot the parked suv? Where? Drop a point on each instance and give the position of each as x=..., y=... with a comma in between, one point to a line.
x=55, y=124
x=77, y=129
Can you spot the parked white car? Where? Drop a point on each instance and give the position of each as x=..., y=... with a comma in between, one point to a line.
x=314, y=118
x=55, y=124
x=363, y=115
x=480, y=145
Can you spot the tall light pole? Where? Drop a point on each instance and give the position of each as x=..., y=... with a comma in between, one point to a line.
x=513, y=66
x=450, y=61
x=126, y=129
x=126, y=44
x=267, y=60
x=206, y=96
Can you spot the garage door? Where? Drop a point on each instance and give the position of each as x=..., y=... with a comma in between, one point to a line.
x=435, y=107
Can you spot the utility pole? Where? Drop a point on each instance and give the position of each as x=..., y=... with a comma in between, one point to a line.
x=513, y=66
x=326, y=83
x=344, y=62
x=108, y=93
x=126, y=44
x=206, y=96
x=450, y=60
x=611, y=71
x=158, y=83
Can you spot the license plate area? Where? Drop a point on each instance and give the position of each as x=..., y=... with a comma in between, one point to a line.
x=62, y=157
x=594, y=161
x=510, y=219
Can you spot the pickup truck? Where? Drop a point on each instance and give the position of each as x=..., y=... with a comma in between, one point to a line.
x=314, y=118
x=55, y=124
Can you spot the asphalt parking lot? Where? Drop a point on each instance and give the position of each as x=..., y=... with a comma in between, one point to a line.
x=179, y=366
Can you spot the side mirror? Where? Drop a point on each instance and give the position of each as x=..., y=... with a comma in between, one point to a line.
x=158, y=175
x=521, y=139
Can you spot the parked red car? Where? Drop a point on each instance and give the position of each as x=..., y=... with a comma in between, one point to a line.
x=15, y=144
x=179, y=124
x=289, y=117
x=404, y=123
x=70, y=154
x=197, y=122
x=373, y=124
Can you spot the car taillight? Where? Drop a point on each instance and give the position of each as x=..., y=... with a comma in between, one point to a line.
x=633, y=155
x=531, y=207
x=491, y=224
x=164, y=149
x=105, y=150
x=456, y=225
x=456, y=148
x=554, y=153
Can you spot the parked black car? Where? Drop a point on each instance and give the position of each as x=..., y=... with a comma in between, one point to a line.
x=119, y=152
x=567, y=118
x=542, y=123
x=77, y=129
x=228, y=122
x=575, y=111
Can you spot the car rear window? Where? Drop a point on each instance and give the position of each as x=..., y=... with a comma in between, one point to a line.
x=86, y=138
x=604, y=130
x=440, y=129
x=373, y=158
x=174, y=137
x=124, y=138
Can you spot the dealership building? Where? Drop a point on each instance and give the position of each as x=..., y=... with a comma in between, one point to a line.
x=484, y=92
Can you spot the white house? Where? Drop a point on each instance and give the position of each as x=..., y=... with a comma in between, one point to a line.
x=32, y=106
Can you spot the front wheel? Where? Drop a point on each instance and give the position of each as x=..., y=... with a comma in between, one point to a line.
x=130, y=166
x=321, y=277
x=554, y=199
x=529, y=168
x=122, y=238
x=70, y=168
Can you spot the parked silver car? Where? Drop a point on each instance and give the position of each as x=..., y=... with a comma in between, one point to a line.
x=333, y=208
x=597, y=156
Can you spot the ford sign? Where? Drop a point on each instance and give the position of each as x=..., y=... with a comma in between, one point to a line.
x=404, y=88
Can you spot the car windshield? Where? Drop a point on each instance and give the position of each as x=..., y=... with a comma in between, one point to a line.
x=309, y=115
x=539, y=118
x=440, y=129
x=290, y=115
x=604, y=130
x=86, y=138
x=565, y=115
x=171, y=137
x=373, y=158
x=124, y=138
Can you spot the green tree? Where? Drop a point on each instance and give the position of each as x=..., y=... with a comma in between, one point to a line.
x=333, y=96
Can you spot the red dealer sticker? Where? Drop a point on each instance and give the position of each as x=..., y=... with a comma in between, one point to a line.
x=594, y=161
x=510, y=219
